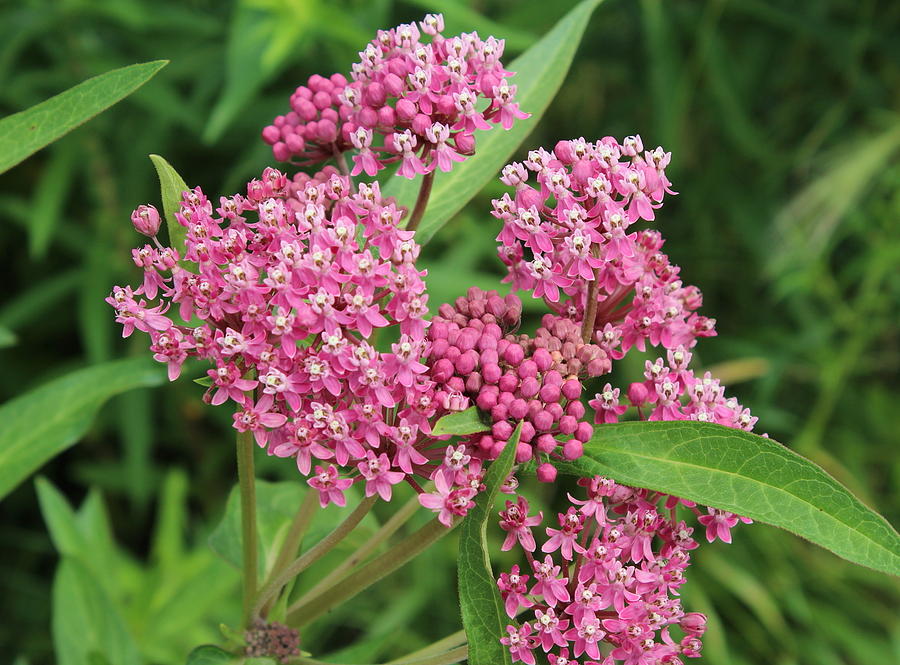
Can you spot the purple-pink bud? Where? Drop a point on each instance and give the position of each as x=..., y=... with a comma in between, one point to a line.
x=487, y=398
x=584, y=432
x=529, y=386
x=543, y=420
x=542, y=359
x=486, y=442
x=555, y=410
x=568, y=424
x=514, y=354
x=442, y=370
x=693, y=622
x=420, y=123
x=564, y=152
x=546, y=473
x=465, y=144
x=474, y=382
x=550, y=393
x=368, y=117
x=523, y=452
x=528, y=368
x=498, y=412
x=518, y=409
x=146, y=220
x=393, y=85
x=406, y=110
x=553, y=378
x=502, y=430
x=637, y=393
x=271, y=134
x=387, y=117
x=467, y=362
x=527, y=433
x=509, y=382
x=546, y=443
x=575, y=408
x=571, y=389
x=456, y=383
x=573, y=449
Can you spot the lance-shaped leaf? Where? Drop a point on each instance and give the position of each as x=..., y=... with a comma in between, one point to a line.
x=171, y=187
x=43, y=422
x=460, y=423
x=540, y=72
x=22, y=134
x=483, y=615
x=746, y=474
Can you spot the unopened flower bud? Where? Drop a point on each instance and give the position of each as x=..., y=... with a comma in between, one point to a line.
x=146, y=220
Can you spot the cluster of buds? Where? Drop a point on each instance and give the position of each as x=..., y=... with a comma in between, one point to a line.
x=607, y=586
x=568, y=235
x=272, y=640
x=476, y=356
x=291, y=283
x=409, y=101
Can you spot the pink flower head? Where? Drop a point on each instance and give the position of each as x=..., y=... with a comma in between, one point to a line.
x=330, y=486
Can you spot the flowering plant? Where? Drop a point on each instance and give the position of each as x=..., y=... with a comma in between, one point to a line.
x=303, y=295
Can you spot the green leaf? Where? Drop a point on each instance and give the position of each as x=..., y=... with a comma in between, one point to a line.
x=463, y=422
x=7, y=338
x=87, y=626
x=171, y=186
x=209, y=654
x=747, y=474
x=24, y=133
x=539, y=73
x=262, y=36
x=49, y=198
x=205, y=381
x=484, y=617
x=45, y=421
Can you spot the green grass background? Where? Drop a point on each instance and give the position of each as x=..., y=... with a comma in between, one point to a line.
x=782, y=120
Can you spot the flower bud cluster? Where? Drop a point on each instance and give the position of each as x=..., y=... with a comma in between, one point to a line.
x=566, y=232
x=409, y=101
x=607, y=586
x=476, y=356
x=289, y=284
x=272, y=640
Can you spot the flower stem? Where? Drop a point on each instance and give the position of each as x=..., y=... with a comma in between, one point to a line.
x=306, y=609
x=390, y=527
x=421, y=201
x=314, y=554
x=590, y=305
x=299, y=526
x=441, y=646
x=247, y=484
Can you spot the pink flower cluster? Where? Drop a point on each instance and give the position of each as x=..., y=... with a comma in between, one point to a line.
x=409, y=101
x=606, y=587
x=476, y=356
x=291, y=283
x=672, y=392
x=568, y=234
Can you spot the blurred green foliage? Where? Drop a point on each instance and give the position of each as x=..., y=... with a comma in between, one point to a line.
x=786, y=153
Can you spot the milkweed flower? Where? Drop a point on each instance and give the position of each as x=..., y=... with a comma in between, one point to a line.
x=416, y=97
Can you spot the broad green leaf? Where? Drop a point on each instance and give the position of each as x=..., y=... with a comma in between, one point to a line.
x=87, y=626
x=747, y=474
x=484, y=617
x=539, y=73
x=24, y=133
x=209, y=654
x=462, y=422
x=45, y=421
x=171, y=186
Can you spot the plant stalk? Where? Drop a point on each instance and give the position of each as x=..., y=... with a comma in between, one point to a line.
x=590, y=305
x=315, y=553
x=421, y=201
x=247, y=485
x=389, y=528
x=307, y=609
x=299, y=526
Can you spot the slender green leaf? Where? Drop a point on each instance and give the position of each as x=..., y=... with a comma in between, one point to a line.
x=263, y=35
x=24, y=133
x=43, y=422
x=462, y=422
x=49, y=198
x=171, y=186
x=87, y=626
x=747, y=474
x=7, y=338
x=539, y=73
x=484, y=617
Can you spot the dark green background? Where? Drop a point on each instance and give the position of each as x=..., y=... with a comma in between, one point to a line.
x=782, y=120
